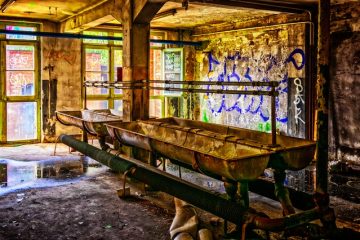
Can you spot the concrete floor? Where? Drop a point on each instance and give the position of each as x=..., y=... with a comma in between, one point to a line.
x=81, y=203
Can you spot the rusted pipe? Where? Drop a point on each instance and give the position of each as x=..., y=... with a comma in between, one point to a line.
x=163, y=181
x=189, y=192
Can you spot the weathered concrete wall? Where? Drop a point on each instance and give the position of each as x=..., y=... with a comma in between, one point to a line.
x=345, y=83
x=263, y=54
x=65, y=55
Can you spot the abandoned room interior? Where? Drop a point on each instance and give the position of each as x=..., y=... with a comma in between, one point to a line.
x=180, y=119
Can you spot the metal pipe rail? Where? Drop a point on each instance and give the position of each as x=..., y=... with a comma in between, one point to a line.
x=194, y=194
x=144, y=85
x=190, y=83
x=83, y=36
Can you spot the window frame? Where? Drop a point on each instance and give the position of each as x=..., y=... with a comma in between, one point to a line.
x=36, y=98
x=111, y=97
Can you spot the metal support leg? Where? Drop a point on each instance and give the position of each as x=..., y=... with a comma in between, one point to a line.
x=231, y=189
x=282, y=193
x=84, y=136
x=56, y=142
x=243, y=190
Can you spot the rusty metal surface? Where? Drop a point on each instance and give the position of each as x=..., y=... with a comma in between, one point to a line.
x=223, y=155
x=289, y=153
x=92, y=121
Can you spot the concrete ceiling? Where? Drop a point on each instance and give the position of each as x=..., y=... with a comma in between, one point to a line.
x=40, y=9
x=196, y=15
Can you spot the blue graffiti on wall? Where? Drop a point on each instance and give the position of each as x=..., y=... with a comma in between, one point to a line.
x=253, y=103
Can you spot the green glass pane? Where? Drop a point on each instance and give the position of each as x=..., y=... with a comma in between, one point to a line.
x=118, y=42
x=95, y=41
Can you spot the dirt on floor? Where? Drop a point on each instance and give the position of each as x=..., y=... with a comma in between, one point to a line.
x=87, y=209
x=69, y=196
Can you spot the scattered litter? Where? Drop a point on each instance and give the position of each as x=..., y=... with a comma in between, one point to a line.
x=107, y=226
x=139, y=194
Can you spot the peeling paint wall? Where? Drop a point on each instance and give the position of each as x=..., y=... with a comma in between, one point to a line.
x=267, y=54
x=344, y=108
x=65, y=55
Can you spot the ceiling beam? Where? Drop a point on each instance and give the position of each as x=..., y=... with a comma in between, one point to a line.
x=268, y=5
x=145, y=10
x=103, y=13
x=203, y=32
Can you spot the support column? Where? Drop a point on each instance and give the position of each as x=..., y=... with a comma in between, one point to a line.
x=136, y=17
x=322, y=89
x=135, y=64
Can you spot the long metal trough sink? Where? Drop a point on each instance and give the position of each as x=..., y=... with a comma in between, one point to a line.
x=289, y=153
x=91, y=121
x=218, y=154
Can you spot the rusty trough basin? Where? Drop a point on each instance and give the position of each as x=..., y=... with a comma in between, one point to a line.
x=219, y=154
x=290, y=153
x=91, y=121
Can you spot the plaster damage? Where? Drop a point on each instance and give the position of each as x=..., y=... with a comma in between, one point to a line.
x=345, y=84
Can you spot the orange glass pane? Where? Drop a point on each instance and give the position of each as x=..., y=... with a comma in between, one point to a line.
x=97, y=60
x=20, y=83
x=155, y=70
x=20, y=57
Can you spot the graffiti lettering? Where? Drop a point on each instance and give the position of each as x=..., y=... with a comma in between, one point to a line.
x=298, y=100
x=246, y=69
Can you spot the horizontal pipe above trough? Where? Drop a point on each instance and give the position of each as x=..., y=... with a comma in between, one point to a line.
x=191, y=83
x=83, y=36
x=144, y=86
x=189, y=192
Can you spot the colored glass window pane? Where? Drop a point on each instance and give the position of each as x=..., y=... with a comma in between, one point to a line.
x=97, y=60
x=156, y=37
x=117, y=66
x=19, y=36
x=21, y=121
x=155, y=108
x=155, y=70
x=118, y=107
x=96, y=76
x=96, y=41
x=116, y=42
x=97, y=104
x=20, y=83
x=20, y=57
